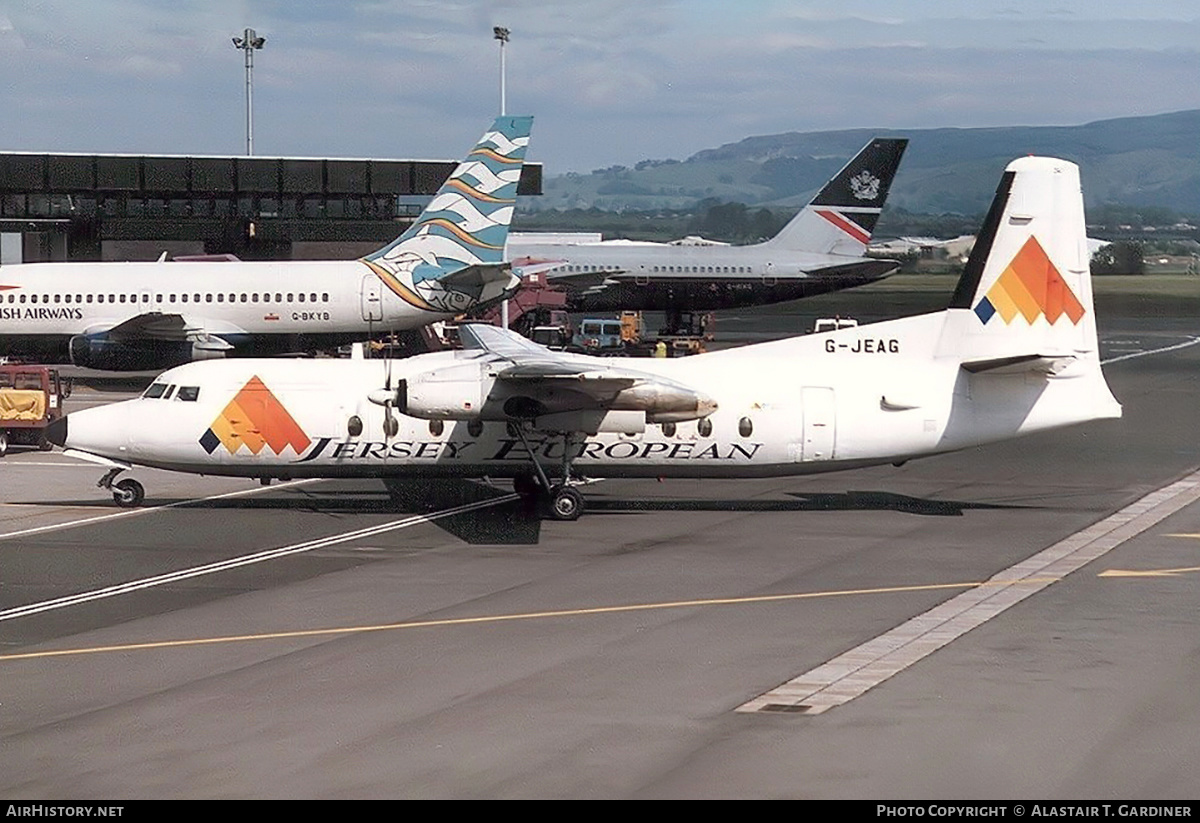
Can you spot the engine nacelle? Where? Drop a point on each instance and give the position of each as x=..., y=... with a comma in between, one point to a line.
x=665, y=402
x=100, y=352
x=440, y=399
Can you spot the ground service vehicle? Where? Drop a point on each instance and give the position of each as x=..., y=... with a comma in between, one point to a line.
x=30, y=400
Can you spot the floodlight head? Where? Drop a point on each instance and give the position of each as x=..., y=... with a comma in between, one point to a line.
x=500, y=33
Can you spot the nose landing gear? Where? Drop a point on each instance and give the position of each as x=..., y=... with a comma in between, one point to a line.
x=127, y=493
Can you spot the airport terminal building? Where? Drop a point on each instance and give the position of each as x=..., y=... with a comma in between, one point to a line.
x=58, y=207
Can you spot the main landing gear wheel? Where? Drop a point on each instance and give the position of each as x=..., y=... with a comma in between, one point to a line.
x=565, y=503
x=3, y=443
x=128, y=493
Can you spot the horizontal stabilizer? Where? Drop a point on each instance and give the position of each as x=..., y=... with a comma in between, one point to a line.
x=478, y=275
x=1047, y=364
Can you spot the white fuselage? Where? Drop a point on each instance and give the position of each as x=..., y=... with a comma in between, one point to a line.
x=875, y=394
x=234, y=297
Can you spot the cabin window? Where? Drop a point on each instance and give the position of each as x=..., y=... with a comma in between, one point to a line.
x=197, y=298
x=745, y=427
x=244, y=298
x=172, y=298
x=254, y=297
x=704, y=427
x=183, y=298
x=188, y=394
x=33, y=298
x=354, y=426
x=155, y=391
x=289, y=297
x=325, y=297
x=475, y=427
x=312, y=298
x=301, y=297
x=220, y=298
x=232, y=298
x=122, y=298
x=668, y=429
x=278, y=298
x=436, y=427
x=22, y=298
x=89, y=298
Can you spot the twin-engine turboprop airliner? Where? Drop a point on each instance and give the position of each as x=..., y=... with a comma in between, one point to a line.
x=136, y=316
x=1016, y=352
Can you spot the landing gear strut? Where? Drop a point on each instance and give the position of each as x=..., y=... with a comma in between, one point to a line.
x=561, y=500
x=127, y=493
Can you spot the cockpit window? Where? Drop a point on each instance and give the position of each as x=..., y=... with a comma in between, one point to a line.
x=155, y=391
x=170, y=390
x=188, y=394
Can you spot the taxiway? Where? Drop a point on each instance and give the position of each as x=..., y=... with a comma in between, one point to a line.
x=318, y=640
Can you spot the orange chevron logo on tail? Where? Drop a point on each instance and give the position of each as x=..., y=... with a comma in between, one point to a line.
x=1030, y=286
x=254, y=418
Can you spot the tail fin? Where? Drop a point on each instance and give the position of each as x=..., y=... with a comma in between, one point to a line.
x=452, y=258
x=842, y=216
x=1025, y=298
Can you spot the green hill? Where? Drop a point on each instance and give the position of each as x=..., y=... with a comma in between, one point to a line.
x=1135, y=161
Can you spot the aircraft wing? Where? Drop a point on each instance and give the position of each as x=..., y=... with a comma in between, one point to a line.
x=519, y=359
x=564, y=383
x=151, y=326
x=166, y=327
x=587, y=280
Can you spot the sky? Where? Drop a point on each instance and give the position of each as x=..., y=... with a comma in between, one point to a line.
x=608, y=81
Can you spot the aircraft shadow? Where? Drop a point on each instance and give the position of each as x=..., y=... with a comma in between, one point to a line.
x=847, y=501
x=508, y=523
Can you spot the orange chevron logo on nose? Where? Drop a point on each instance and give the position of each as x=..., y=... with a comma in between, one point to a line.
x=254, y=418
x=1030, y=286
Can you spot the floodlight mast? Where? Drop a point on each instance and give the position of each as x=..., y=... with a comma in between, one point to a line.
x=501, y=34
x=249, y=42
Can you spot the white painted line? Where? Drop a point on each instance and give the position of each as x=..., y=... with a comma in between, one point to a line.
x=1148, y=352
x=149, y=509
x=245, y=560
x=22, y=463
x=849, y=675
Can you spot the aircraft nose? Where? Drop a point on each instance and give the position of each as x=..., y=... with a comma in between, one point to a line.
x=56, y=432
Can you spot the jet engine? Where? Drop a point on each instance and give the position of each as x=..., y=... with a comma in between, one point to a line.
x=106, y=354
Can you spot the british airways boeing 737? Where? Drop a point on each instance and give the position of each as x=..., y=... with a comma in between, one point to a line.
x=133, y=316
x=822, y=249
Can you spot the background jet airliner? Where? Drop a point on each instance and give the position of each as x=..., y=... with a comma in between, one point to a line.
x=820, y=250
x=1016, y=352
x=132, y=316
